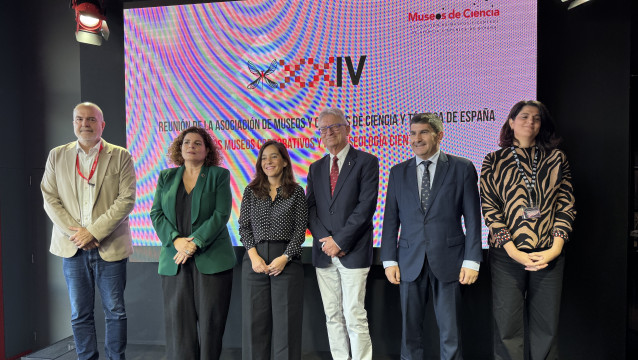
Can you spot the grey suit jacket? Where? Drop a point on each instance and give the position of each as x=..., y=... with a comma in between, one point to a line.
x=114, y=200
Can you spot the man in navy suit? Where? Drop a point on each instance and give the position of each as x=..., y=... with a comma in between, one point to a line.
x=427, y=196
x=342, y=196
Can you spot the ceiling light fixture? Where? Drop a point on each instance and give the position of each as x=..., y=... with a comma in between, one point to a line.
x=90, y=17
x=574, y=3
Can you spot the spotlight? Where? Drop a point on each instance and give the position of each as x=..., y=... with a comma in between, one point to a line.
x=91, y=22
x=574, y=3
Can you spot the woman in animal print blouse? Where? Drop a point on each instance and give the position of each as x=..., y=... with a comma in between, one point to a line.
x=528, y=206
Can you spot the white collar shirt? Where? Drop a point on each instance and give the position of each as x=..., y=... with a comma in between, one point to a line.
x=86, y=189
x=420, y=170
x=341, y=155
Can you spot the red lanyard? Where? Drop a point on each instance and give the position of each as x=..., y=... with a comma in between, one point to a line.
x=93, y=167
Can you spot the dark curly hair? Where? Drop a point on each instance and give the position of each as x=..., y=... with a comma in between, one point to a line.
x=260, y=184
x=547, y=139
x=213, y=153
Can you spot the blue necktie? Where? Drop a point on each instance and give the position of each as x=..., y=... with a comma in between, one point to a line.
x=425, y=185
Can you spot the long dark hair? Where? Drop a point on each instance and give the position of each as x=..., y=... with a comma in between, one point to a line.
x=260, y=184
x=213, y=153
x=547, y=139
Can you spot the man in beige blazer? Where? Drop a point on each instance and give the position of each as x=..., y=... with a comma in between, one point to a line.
x=89, y=191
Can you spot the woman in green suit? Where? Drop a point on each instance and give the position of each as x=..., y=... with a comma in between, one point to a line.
x=191, y=208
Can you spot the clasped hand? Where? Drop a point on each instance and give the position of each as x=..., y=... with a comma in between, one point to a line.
x=330, y=247
x=534, y=261
x=83, y=239
x=273, y=269
x=185, y=249
x=537, y=260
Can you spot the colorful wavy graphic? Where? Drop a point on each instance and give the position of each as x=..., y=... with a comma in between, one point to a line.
x=250, y=71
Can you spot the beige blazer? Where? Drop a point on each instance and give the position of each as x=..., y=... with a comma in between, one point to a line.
x=114, y=200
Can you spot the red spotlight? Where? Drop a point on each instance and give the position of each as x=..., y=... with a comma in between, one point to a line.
x=91, y=22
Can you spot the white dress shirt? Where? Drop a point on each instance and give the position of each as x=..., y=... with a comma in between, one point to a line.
x=86, y=189
x=341, y=155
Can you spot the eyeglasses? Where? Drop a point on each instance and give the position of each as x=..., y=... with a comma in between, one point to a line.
x=333, y=127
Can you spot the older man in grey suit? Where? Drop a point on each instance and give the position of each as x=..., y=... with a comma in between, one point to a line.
x=89, y=191
x=342, y=197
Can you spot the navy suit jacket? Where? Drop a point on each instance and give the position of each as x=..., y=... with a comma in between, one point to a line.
x=346, y=216
x=437, y=232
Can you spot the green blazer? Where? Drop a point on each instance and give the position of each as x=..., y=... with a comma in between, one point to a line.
x=210, y=210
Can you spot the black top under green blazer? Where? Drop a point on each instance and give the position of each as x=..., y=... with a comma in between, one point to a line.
x=210, y=210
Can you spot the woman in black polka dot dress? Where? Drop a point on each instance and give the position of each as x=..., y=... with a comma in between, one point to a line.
x=272, y=225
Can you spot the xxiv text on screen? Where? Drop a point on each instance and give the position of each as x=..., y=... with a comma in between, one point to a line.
x=307, y=72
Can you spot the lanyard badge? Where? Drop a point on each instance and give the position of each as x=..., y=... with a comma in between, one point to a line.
x=93, y=167
x=533, y=210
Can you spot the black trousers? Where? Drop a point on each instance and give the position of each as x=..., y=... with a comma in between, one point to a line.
x=518, y=293
x=193, y=301
x=272, y=307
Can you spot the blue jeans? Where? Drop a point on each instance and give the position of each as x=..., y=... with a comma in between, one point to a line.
x=82, y=272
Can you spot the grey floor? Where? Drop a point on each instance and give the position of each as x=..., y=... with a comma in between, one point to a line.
x=64, y=350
